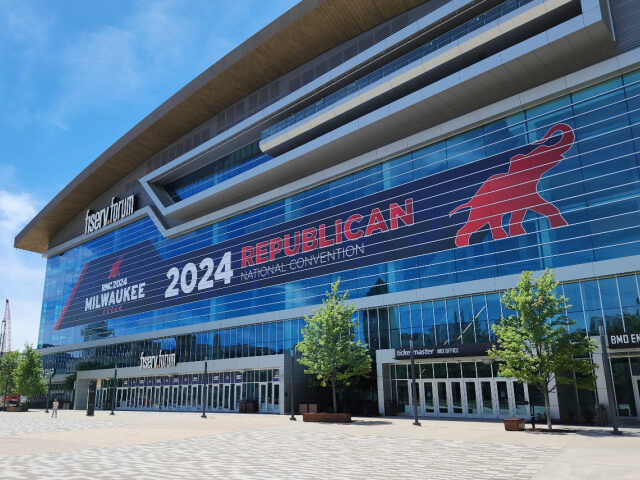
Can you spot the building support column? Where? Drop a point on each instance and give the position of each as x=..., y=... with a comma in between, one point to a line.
x=601, y=383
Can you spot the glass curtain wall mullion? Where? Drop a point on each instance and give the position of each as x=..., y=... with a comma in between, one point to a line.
x=394, y=65
x=631, y=125
x=623, y=236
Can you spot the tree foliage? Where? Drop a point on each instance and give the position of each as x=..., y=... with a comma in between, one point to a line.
x=28, y=374
x=8, y=366
x=535, y=345
x=329, y=349
x=69, y=383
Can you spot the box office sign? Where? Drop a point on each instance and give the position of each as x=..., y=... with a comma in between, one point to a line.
x=624, y=340
x=443, y=351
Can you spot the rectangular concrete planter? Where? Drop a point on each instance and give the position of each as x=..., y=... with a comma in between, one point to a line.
x=514, y=424
x=16, y=409
x=308, y=408
x=327, y=417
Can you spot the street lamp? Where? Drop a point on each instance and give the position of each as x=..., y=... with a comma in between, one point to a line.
x=115, y=382
x=292, y=417
x=204, y=397
x=413, y=384
x=50, y=374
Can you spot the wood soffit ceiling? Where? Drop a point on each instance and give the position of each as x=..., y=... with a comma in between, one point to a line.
x=307, y=30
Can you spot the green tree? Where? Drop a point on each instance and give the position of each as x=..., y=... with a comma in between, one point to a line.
x=8, y=366
x=28, y=374
x=535, y=346
x=329, y=350
x=69, y=383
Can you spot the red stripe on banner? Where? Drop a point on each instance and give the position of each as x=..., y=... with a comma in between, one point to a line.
x=73, y=292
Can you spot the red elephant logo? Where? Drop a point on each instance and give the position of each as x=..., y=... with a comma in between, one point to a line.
x=516, y=191
x=115, y=269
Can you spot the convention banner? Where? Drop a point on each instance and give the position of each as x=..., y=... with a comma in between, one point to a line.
x=447, y=210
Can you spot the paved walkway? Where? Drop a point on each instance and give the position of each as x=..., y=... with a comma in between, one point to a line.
x=146, y=445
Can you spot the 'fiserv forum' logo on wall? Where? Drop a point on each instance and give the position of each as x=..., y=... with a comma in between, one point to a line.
x=109, y=214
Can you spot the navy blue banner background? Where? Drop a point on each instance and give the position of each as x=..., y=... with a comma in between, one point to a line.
x=432, y=231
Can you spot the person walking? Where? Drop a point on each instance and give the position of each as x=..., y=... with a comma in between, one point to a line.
x=54, y=408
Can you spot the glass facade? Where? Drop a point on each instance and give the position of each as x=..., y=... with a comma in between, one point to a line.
x=595, y=188
x=418, y=54
x=461, y=320
x=219, y=391
x=216, y=172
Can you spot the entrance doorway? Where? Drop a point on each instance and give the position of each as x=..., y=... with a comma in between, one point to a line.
x=480, y=398
x=265, y=400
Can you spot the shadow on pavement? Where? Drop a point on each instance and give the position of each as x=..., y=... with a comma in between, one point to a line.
x=370, y=422
x=587, y=432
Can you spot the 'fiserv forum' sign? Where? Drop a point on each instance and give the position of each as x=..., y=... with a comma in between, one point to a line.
x=162, y=360
x=109, y=214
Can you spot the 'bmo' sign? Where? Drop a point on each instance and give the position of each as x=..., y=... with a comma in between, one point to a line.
x=624, y=340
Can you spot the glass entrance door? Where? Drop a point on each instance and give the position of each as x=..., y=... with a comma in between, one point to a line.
x=486, y=393
x=265, y=400
x=490, y=398
x=226, y=400
x=472, y=398
x=156, y=397
x=443, y=405
x=456, y=397
x=503, y=398
x=429, y=399
x=236, y=402
x=215, y=400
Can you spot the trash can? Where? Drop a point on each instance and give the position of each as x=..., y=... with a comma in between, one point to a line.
x=514, y=424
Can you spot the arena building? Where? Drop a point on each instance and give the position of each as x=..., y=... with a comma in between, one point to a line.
x=425, y=153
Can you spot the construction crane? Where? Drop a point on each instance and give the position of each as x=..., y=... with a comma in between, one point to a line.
x=5, y=331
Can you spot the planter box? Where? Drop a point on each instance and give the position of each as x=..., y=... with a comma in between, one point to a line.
x=327, y=417
x=390, y=409
x=308, y=408
x=248, y=406
x=514, y=424
x=16, y=409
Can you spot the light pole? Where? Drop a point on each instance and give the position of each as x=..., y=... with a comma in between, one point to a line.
x=607, y=378
x=51, y=374
x=413, y=384
x=115, y=382
x=204, y=397
x=292, y=417
x=6, y=387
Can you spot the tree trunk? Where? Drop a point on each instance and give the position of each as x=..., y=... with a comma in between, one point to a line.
x=547, y=408
x=335, y=404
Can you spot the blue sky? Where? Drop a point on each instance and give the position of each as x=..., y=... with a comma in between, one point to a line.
x=74, y=77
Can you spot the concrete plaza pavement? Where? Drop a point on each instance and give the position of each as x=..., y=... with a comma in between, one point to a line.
x=171, y=445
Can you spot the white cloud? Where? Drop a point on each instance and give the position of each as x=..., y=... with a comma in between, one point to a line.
x=146, y=51
x=22, y=273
